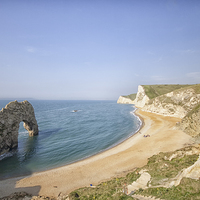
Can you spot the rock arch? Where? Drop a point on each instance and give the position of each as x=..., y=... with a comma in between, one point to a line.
x=10, y=118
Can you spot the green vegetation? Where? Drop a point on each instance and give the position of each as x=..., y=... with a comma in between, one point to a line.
x=187, y=189
x=153, y=91
x=131, y=96
x=159, y=167
x=112, y=190
x=196, y=88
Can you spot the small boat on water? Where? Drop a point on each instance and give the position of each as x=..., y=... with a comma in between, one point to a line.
x=75, y=111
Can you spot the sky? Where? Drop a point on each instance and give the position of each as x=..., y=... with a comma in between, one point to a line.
x=96, y=49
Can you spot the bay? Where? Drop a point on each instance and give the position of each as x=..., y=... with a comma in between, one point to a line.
x=68, y=131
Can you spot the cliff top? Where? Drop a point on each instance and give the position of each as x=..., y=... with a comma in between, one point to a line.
x=153, y=91
x=131, y=96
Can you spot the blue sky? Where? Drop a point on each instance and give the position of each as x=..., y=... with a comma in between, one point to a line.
x=96, y=49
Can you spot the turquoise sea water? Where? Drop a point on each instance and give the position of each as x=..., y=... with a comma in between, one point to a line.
x=66, y=136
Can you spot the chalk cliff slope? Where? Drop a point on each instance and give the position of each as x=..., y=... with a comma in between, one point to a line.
x=175, y=103
x=190, y=124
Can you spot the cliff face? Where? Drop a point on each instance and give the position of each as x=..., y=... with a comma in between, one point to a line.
x=10, y=117
x=175, y=104
x=124, y=100
x=181, y=101
x=190, y=124
x=141, y=98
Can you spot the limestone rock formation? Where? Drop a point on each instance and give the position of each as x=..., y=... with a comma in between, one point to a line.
x=175, y=104
x=10, y=118
x=141, y=182
x=124, y=100
x=190, y=124
x=141, y=98
x=192, y=171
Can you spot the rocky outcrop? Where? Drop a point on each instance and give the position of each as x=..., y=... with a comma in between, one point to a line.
x=18, y=196
x=192, y=171
x=10, y=118
x=141, y=182
x=125, y=100
x=26, y=196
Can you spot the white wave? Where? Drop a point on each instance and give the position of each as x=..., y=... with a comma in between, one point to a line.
x=6, y=155
x=138, y=118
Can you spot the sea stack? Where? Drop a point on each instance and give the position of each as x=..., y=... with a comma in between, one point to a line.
x=10, y=118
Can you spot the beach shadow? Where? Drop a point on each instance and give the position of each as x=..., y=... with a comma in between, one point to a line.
x=14, y=162
x=15, y=158
x=10, y=166
x=8, y=187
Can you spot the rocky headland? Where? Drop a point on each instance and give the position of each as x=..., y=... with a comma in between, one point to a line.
x=167, y=100
x=181, y=101
x=10, y=118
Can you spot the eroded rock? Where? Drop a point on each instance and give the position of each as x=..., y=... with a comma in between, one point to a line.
x=190, y=124
x=10, y=118
x=174, y=104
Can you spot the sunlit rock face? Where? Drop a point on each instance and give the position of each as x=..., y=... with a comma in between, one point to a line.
x=10, y=118
x=174, y=104
x=141, y=98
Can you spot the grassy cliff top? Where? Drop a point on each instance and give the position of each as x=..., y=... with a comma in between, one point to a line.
x=153, y=91
x=131, y=96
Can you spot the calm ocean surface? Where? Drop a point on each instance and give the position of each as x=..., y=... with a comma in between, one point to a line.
x=66, y=136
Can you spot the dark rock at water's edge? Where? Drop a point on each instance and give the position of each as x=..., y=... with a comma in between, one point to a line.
x=17, y=196
x=10, y=118
x=26, y=196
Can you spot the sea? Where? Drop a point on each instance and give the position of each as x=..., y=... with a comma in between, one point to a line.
x=69, y=131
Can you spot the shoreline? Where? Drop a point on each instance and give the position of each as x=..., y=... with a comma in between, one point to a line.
x=90, y=156
x=114, y=162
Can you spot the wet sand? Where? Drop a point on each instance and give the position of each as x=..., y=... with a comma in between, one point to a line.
x=115, y=162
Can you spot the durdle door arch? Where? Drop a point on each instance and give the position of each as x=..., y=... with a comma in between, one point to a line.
x=10, y=118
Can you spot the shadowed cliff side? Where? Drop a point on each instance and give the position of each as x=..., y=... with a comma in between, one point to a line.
x=10, y=118
x=190, y=124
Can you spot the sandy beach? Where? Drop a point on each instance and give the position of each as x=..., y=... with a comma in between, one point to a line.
x=115, y=162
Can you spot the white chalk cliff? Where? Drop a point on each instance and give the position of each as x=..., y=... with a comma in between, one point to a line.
x=125, y=100
x=175, y=104
x=10, y=118
x=141, y=98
